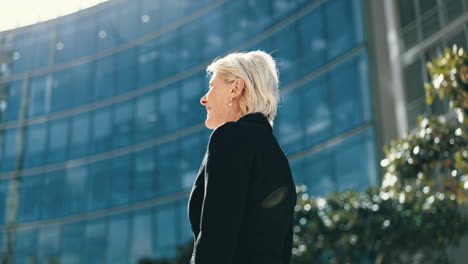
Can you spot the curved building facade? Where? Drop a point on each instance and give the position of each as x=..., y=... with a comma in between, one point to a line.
x=102, y=132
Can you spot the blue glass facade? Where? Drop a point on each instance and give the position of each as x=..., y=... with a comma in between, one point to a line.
x=104, y=133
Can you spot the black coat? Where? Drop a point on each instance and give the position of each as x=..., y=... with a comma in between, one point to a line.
x=242, y=203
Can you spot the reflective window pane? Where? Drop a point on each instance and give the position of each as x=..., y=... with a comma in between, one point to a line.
x=100, y=174
x=62, y=87
x=148, y=58
x=192, y=89
x=168, y=175
x=72, y=243
x=281, y=8
x=37, y=96
x=30, y=202
x=23, y=52
x=312, y=41
x=150, y=15
x=75, y=190
x=142, y=242
x=370, y=163
x=260, y=12
x=172, y=11
x=146, y=117
x=9, y=150
x=365, y=91
x=65, y=45
x=214, y=41
x=25, y=246
x=340, y=27
x=191, y=6
x=83, y=83
x=297, y=170
x=58, y=140
x=192, y=41
x=53, y=194
x=80, y=136
x=165, y=230
x=95, y=242
x=168, y=108
x=102, y=130
x=104, y=80
x=318, y=174
x=346, y=96
x=410, y=36
x=318, y=119
x=122, y=129
x=454, y=9
x=189, y=159
x=126, y=71
x=431, y=22
x=407, y=12
x=129, y=21
x=107, y=29
x=287, y=53
x=349, y=166
x=169, y=52
x=12, y=102
x=145, y=182
x=118, y=240
x=121, y=179
x=413, y=76
x=35, y=145
x=86, y=37
x=269, y=46
x=237, y=22
x=48, y=248
x=427, y=5
x=289, y=126
x=3, y=200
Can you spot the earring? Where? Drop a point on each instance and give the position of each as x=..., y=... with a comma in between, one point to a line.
x=229, y=104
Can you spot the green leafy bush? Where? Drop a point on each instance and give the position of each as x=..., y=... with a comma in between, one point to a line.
x=351, y=227
x=420, y=209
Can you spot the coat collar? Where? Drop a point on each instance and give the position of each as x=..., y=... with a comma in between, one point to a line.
x=257, y=118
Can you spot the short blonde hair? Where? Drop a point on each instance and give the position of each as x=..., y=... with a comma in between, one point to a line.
x=259, y=72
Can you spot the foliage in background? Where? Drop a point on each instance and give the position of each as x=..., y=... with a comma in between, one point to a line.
x=433, y=155
x=420, y=210
x=351, y=227
x=449, y=74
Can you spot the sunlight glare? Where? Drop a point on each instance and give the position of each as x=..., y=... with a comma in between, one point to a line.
x=19, y=13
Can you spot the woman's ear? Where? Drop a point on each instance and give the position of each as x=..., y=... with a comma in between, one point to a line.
x=238, y=87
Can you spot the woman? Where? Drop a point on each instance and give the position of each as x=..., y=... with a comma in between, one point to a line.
x=242, y=202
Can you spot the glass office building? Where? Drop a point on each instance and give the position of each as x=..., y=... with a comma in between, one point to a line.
x=102, y=133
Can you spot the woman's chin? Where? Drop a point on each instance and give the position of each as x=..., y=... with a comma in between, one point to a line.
x=208, y=123
x=212, y=124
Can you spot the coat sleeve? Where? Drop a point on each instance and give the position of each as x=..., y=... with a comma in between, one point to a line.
x=226, y=184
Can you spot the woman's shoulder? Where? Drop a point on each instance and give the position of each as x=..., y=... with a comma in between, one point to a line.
x=227, y=131
x=238, y=134
x=237, y=130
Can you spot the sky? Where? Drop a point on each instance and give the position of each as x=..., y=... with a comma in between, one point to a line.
x=18, y=13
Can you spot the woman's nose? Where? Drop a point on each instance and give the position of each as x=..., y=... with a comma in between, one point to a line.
x=203, y=100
